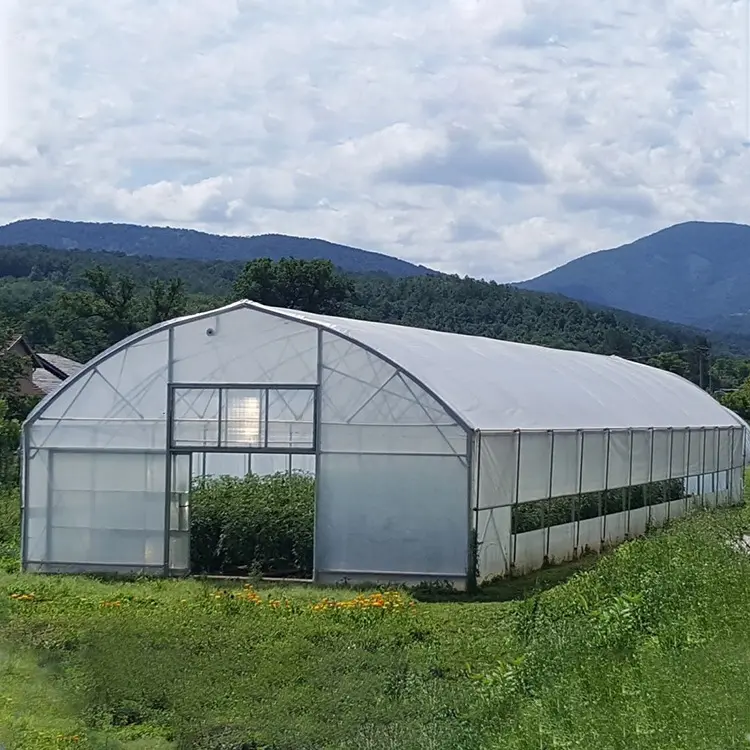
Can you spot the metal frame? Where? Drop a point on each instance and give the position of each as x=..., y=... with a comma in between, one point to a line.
x=602, y=505
x=576, y=510
x=220, y=388
x=669, y=475
x=650, y=478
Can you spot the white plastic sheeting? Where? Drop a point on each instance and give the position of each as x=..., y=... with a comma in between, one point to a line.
x=417, y=439
x=501, y=385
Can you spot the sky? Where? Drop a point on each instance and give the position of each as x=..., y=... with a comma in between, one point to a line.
x=495, y=138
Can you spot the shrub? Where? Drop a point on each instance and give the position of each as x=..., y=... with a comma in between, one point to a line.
x=253, y=523
x=10, y=528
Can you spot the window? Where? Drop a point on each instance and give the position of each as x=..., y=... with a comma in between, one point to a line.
x=250, y=418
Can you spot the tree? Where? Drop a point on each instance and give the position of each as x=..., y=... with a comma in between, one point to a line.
x=671, y=362
x=738, y=401
x=165, y=300
x=112, y=308
x=311, y=285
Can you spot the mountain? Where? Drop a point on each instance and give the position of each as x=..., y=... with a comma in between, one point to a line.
x=696, y=273
x=165, y=242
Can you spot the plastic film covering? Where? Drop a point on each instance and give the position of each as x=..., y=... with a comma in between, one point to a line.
x=525, y=467
x=389, y=440
x=242, y=345
x=392, y=473
x=501, y=385
x=101, y=510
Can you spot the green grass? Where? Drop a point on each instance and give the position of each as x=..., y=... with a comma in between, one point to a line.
x=647, y=647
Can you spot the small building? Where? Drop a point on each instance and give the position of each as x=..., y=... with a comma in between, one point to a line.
x=41, y=373
x=425, y=445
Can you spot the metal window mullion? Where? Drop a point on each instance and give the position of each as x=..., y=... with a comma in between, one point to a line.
x=476, y=490
x=317, y=425
x=25, y=472
x=716, y=467
x=548, y=504
x=703, y=469
x=516, y=491
x=730, y=473
x=686, y=490
x=576, y=511
x=603, y=505
x=668, y=484
x=647, y=492
x=630, y=486
x=219, y=416
x=169, y=447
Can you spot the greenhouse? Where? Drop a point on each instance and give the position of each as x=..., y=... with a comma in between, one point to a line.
x=436, y=456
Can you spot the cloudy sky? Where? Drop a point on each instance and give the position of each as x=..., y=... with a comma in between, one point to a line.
x=497, y=138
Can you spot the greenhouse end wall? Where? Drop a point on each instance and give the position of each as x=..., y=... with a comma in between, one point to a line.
x=515, y=468
x=109, y=459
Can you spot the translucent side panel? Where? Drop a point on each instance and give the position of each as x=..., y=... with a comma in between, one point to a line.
x=662, y=440
x=121, y=403
x=712, y=447
x=106, y=508
x=534, y=466
x=640, y=469
x=696, y=442
x=367, y=406
x=195, y=416
x=566, y=463
x=594, y=463
x=737, y=447
x=130, y=384
x=245, y=346
x=726, y=449
x=86, y=434
x=392, y=514
x=291, y=418
x=497, y=470
x=619, y=460
x=679, y=453
x=37, y=489
x=493, y=536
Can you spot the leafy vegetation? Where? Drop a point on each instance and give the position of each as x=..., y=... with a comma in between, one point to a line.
x=253, y=524
x=76, y=303
x=570, y=508
x=647, y=649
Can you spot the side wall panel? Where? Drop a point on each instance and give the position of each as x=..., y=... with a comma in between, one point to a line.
x=392, y=475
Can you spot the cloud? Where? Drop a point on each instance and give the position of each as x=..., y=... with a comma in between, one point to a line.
x=494, y=139
x=463, y=163
x=624, y=202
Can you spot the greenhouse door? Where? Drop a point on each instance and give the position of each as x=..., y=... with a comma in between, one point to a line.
x=178, y=528
x=247, y=432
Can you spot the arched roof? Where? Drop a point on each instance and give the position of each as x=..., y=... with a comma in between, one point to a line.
x=502, y=385
x=494, y=385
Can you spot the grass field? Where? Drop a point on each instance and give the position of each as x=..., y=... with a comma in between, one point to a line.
x=647, y=648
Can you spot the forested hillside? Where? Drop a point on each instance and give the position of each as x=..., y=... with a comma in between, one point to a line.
x=695, y=273
x=78, y=302
x=168, y=242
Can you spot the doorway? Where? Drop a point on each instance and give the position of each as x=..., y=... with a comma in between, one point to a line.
x=241, y=480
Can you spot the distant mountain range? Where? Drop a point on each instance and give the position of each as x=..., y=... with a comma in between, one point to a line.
x=697, y=273
x=165, y=242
